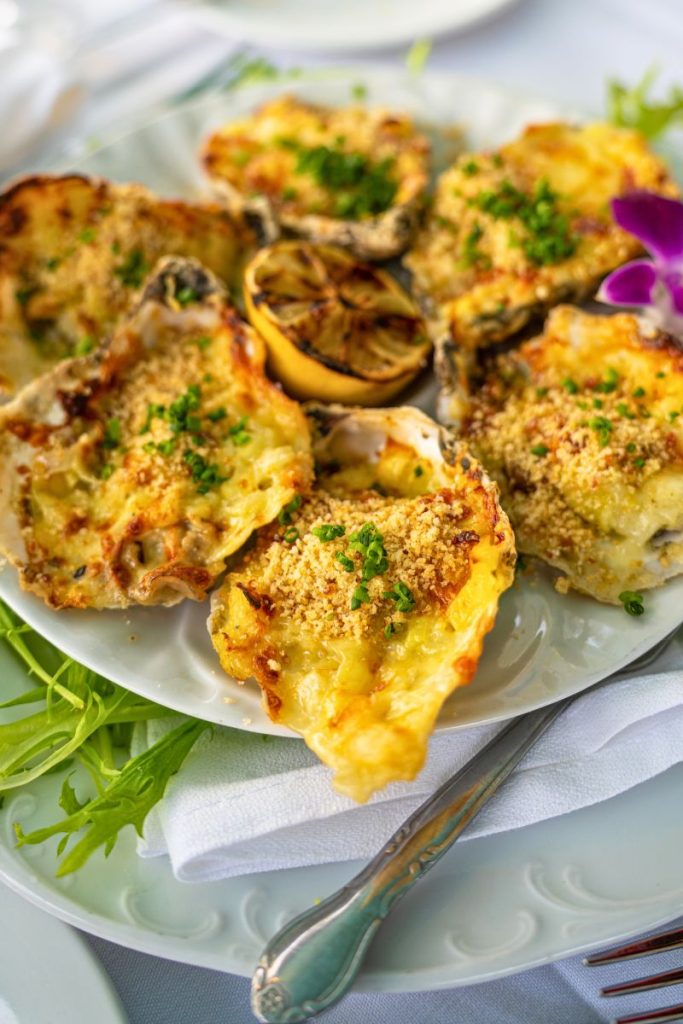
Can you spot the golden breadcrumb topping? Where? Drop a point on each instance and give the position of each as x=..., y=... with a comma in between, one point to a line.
x=583, y=429
x=311, y=581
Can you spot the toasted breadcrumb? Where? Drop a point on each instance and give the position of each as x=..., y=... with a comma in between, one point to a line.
x=426, y=546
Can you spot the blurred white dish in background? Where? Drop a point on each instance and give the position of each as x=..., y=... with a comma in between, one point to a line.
x=36, y=100
x=47, y=973
x=351, y=25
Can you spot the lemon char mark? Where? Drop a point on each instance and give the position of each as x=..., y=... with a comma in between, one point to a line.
x=359, y=629
x=513, y=232
x=129, y=475
x=582, y=429
x=74, y=253
x=349, y=176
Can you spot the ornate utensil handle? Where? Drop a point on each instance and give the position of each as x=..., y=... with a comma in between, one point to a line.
x=312, y=962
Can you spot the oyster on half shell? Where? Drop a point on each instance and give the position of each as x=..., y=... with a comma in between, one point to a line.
x=366, y=605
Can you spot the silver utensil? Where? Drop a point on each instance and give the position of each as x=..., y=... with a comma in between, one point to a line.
x=314, y=959
x=660, y=943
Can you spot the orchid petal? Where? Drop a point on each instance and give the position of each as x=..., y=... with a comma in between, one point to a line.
x=630, y=285
x=655, y=220
x=674, y=286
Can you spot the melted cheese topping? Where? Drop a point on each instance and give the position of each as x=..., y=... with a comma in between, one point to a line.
x=73, y=254
x=364, y=684
x=583, y=430
x=249, y=156
x=129, y=476
x=470, y=261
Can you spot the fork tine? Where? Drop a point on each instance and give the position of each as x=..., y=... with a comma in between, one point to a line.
x=645, y=984
x=669, y=1013
x=655, y=944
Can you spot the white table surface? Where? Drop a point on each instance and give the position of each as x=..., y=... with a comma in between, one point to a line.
x=564, y=49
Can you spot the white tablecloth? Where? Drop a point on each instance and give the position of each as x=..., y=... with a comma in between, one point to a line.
x=563, y=49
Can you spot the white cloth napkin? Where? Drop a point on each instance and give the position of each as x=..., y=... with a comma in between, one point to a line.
x=244, y=803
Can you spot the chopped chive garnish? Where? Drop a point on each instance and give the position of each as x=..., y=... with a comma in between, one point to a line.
x=344, y=560
x=540, y=450
x=285, y=515
x=290, y=535
x=328, y=531
x=112, y=434
x=632, y=602
x=570, y=385
x=401, y=594
x=360, y=596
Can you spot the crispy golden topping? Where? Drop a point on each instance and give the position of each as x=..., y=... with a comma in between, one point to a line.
x=312, y=581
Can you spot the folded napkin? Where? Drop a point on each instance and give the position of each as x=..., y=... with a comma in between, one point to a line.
x=37, y=99
x=244, y=802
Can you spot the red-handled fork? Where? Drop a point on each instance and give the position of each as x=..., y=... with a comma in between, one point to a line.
x=661, y=943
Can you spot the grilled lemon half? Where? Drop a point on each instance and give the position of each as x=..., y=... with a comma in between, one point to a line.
x=127, y=476
x=366, y=605
x=74, y=252
x=349, y=176
x=336, y=329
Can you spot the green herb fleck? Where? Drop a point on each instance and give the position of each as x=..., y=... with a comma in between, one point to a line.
x=632, y=602
x=347, y=562
x=290, y=535
x=112, y=434
x=472, y=255
x=186, y=295
x=541, y=450
x=609, y=384
x=285, y=515
x=470, y=168
x=87, y=235
x=401, y=594
x=418, y=471
x=360, y=596
x=239, y=433
x=328, y=532
x=106, y=471
x=604, y=428
x=570, y=386
x=205, y=474
x=132, y=271
x=85, y=345
x=216, y=414
x=639, y=393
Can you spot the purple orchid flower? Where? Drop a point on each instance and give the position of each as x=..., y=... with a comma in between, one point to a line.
x=656, y=284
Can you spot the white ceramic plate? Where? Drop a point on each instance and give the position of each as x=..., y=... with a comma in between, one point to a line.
x=47, y=974
x=328, y=25
x=544, y=646
x=492, y=906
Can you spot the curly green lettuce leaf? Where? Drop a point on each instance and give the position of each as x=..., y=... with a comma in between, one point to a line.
x=85, y=717
x=77, y=703
x=635, y=108
x=127, y=800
